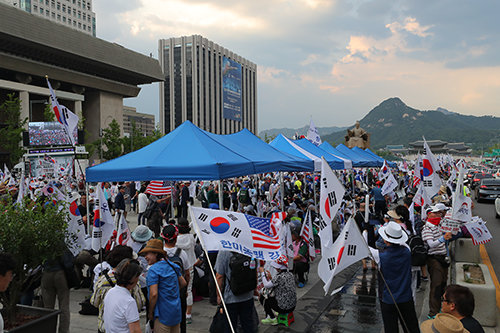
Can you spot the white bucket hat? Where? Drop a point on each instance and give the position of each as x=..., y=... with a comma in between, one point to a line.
x=393, y=233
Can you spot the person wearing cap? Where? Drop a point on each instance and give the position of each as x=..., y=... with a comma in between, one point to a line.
x=441, y=196
x=169, y=235
x=281, y=296
x=379, y=199
x=120, y=310
x=120, y=200
x=459, y=302
x=443, y=323
x=107, y=280
x=437, y=259
x=164, y=282
x=395, y=284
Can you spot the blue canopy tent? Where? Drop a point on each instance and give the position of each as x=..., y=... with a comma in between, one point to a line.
x=330, y=149
x=333, y=161
x=364, y=154
x=368, y=151
x=187, y=153
x=286, y=145
x=265, y=157
x=361, y=161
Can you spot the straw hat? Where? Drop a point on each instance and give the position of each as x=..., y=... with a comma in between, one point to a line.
x=393, y=233
x=394, y=215
x=153, y=245
x=443, y=323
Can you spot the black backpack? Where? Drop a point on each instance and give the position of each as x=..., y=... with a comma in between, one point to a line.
x=244, y=196
x=176, y=259
x=243, y=276
x=418, y=250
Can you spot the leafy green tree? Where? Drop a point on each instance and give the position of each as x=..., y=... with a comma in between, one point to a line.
x=48, y=113
x=111, y=142
x=32, y=234
x=11, y=128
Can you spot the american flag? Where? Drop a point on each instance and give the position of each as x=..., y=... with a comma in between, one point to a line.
x=307, y=234
x=260, y=229
x=158, y=187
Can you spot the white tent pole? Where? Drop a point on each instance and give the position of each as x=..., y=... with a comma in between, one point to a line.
x=221, y=199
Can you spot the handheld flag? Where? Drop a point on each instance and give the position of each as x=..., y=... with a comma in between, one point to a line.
x=159, y=187
x=313, y=134
x=331, y=195
x=230, y=231
x=76, y=230
x=349, y=248
x=123, y=231
x=103, y=221
x=384, y=171
x=430, y=168
x=306, y=233
x=390, y=184
x=461, y=204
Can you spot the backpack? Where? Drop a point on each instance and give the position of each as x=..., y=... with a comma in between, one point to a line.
x=243, y=276
x=150, y=208
x=176, y=259
x=418, y=250
x=243, y=196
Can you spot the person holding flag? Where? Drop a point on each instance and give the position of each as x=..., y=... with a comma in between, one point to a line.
x=396, y=301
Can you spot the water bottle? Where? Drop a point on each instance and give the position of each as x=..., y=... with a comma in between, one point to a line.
x=252, y=263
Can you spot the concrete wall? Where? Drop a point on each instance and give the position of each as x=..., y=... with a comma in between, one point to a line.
x=99, y=110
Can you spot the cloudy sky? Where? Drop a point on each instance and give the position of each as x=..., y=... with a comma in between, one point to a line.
x=333, y=60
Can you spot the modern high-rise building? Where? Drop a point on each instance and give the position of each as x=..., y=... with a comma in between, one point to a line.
x=207, y=84
x=76, y=14
x=144, y=122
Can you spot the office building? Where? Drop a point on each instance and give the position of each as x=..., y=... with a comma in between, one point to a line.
x=144, y=122
x=76, y=14
x=207, y=84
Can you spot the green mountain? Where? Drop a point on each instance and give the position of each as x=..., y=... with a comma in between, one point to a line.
x=392, y=122
x=289, y=132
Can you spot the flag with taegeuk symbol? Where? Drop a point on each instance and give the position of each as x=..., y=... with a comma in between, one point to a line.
x=249, y=235
x=104, y=224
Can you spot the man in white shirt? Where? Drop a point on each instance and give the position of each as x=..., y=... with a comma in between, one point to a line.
x=142, y=201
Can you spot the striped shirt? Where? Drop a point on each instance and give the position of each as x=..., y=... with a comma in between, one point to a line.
x=432, y=233
x=102, y=287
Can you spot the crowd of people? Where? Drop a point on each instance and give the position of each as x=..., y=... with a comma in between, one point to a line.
x=163, y=268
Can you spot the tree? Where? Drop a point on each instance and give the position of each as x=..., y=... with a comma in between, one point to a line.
x=31, y=233
x=48, y=113
x=11, y=128
x=111, y=140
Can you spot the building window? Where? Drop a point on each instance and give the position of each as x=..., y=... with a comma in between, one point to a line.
x=58, y=6
x=84, y=27
x=35, y=7
x=59, y=17
x=53, y=15
x=53, y=4
x=47, y=13
x=88, y=28
x=79, y=4
x=79, y=14
x=64, y=19
x=74, y=23
x=79, y=25
x=88, y=6
x=74, y=12
x=64, y=8
x=46, y=2
x=84, y=16
x=69, y=20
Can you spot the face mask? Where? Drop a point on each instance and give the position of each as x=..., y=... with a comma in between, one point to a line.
x=434, y=220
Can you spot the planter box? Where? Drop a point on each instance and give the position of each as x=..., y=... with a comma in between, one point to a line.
x=484, y=294
x=47, y=323
x=464, y=251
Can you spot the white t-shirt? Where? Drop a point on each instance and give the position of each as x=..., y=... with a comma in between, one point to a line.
x=1, y=323
x=143, y=202
x=120, y=309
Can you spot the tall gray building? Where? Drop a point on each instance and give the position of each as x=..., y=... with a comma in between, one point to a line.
x=76, y=14
x=207, y=84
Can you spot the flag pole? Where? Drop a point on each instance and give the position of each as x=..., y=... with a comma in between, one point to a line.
x=200, y=237
x=282, y=190
x=383, y=278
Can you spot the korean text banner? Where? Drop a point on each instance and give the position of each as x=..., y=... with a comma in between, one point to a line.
x=229, y=231
x=231, y=89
